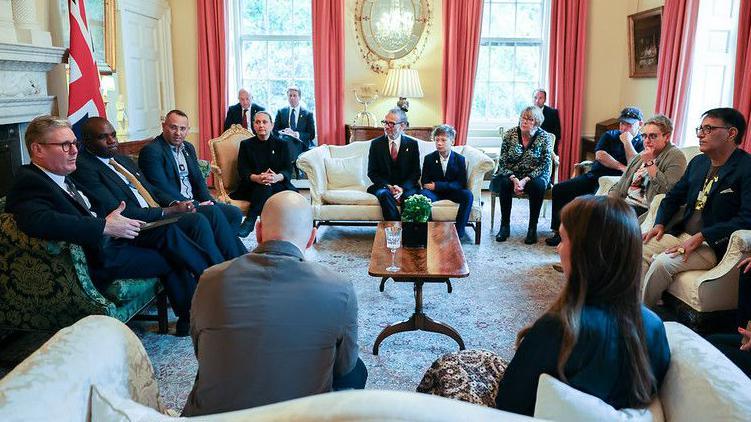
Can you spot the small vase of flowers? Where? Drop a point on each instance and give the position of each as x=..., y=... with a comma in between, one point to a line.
x=416, y=212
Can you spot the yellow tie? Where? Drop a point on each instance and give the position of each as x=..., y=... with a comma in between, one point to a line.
x=133, y=181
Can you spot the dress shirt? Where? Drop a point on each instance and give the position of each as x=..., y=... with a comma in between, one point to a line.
x=60, y=181
x=178, y=152
x=397, y=141
x=141, y=201
x=444, y=161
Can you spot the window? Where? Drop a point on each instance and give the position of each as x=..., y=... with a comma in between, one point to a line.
x=512, y=62
x=713, y=62
x=273, y=49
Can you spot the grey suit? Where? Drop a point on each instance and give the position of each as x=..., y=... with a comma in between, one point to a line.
x=270, y=326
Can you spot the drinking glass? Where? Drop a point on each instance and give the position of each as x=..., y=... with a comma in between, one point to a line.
x=393, y=242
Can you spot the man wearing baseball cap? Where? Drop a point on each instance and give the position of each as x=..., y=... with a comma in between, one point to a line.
x=612, y=153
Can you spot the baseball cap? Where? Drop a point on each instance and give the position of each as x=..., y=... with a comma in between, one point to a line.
x=630, y=115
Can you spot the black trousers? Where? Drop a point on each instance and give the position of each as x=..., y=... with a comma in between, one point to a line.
x=225, y=232
x=535, y=189
x=353, y=380
x=258, y=194
x=729, y=345
x=565, y=192
x=744, y=299
x=463, y=197
x=389, y=205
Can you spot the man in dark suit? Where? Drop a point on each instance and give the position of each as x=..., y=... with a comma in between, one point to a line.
x=295, y=126
x=46, y=204
x=393, y=165
x=171, y=165
x=243, y=112
x=552, y=122
x=264, y=168
x=109, y=178
x=716, y=192
x=444, y=176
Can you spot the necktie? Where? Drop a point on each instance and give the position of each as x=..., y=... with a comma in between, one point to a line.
x=292, y=120
x=244, y=122
x=134, y=181
x=73, y=192
x=393, y=151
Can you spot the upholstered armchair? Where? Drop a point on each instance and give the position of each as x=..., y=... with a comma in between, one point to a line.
x=46, y=286
x=224, y=151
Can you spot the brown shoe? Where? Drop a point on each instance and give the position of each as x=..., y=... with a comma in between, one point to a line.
x=558, y=267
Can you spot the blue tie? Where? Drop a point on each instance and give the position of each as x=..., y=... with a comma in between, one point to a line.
x=292, y=120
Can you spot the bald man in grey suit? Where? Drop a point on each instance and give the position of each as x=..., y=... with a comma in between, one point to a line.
x=270, y=326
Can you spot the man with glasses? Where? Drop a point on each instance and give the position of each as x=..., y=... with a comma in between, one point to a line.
x=613, y=151
x=46, y=204
x=393, y=165
x=716, y=192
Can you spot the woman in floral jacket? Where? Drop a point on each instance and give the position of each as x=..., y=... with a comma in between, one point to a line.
x=524, y=167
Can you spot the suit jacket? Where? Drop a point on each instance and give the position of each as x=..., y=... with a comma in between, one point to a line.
x=728, y=206
x=258, y=351
x=157, y=162
x=305, y=125
x=105, y=189
x=235, y=115
x=382, y=171
x=552, y=124
x=456, y=172
x=255, y=157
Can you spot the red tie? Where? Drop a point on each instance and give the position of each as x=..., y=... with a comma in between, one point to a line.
x=393, y=151
x=245, y=119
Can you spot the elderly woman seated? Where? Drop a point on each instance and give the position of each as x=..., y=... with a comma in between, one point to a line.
x=653, y=171
x=523, y=167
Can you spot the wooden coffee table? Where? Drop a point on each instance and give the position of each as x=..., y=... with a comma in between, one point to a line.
x=441, y=260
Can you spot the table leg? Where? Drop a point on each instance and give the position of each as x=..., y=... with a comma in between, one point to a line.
x=406, y=325
x=383, y=283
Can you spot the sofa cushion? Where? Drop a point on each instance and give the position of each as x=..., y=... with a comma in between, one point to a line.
x=558, y=401
x=344, y=173
x=124, y=290
x=349, y=197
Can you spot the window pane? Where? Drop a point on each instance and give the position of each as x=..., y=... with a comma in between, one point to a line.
x=502, y=18
x=280, y=15
x=501, y=63
x=529, y=21
x=527, y=64
x=253, y=17
x=255, y=60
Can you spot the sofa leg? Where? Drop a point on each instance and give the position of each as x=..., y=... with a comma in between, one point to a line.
x=478, y=232
x=161, y=312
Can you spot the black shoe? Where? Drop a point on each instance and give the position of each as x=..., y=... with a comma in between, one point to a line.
x=531, y=238
x=246, y=227
x=465, y=239
x=503, y=234
x=554, y=240
x=182, y=328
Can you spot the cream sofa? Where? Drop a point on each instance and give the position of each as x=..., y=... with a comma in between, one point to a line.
x=338, y=178
x=98, y=370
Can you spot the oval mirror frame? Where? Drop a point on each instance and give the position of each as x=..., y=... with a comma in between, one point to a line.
x=391, y=31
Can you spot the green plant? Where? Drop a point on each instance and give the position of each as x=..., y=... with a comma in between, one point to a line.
x=416, y=209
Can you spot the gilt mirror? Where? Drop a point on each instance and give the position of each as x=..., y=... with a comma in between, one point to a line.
x=391, y=31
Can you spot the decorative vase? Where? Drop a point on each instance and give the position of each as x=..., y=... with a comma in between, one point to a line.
x=414, y=235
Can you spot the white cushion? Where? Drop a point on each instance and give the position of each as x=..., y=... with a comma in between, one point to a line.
x=108, y=406
x=558, y=401
x=719, y=294
x=344, y=173
x=349, y=197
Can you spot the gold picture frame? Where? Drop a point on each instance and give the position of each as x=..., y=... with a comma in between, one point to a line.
x=102, y=21
x=110, y=35
x=644, y=43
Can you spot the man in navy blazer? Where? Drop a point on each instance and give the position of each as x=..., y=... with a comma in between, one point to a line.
x=46, y=204
x=716, y=190
x=444, y=176
x=243, y=112
x=393, y=165
x=171, y=165
x=295, y=126
x=551, y=122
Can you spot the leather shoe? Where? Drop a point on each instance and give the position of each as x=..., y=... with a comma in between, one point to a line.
x=503, y=234
x=182, y=328
x=554, y=240
x=558, y=267
x=246, y=227
x=465, y=239
x=531, y=238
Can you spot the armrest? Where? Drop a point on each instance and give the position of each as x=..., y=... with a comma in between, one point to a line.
x=476, y=172
x=606, y=182
x=221, y=191
x=581, y=168
x=312, y=163
x=738, y=247
x=649, y=219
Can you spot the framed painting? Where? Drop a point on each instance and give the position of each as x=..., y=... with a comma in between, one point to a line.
x=644, y=43
x=101, y=19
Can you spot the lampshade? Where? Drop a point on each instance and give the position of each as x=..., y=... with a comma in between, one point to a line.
x=403, y=83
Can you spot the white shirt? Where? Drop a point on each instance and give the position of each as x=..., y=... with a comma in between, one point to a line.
x=178, y=153
x=60, y=181
x=444, y=161
x=141, y=201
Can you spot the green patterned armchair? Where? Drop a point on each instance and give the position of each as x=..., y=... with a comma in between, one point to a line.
x=45, y=285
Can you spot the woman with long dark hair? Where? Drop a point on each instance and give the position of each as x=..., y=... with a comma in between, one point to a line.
x=597, y=337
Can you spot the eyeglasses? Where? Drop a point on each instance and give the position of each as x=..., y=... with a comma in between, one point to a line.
x=65, y=146
x=651, y=136
x=707, y=129
x=388, y=124
x=528, y=118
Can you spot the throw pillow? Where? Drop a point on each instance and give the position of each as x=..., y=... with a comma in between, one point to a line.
x=344, y=173
x=560, y=402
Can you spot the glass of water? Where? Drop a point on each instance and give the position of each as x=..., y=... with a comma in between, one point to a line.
x=393, y=242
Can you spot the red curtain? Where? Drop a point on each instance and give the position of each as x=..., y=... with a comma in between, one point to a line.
x=212, y=81
x=462, y=22
x=328, y=70
x=742, y=82
x=674, y=63
x=568, y=35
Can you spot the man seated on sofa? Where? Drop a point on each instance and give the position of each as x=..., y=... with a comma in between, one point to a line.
x=444, y=176
x=716, y=191
x=271, y=326
x=109, y=178
x=393, y=165
x=243, y=112
x=46, y=204
x=264, y=167
x=171, y=165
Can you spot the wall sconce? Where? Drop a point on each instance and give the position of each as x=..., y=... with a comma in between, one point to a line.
x=403, y=83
